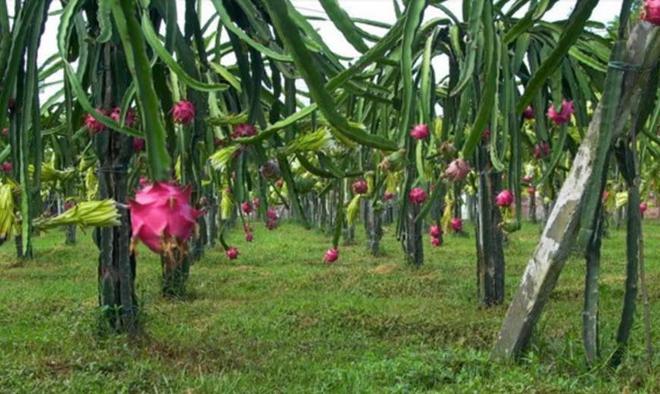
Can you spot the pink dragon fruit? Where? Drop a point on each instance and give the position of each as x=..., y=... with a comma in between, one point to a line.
x=528, y=113
x=457, y=170
x=183, y=112
x=246, y=207
x=541, y=150
x=130, y=118
x=249, y=237
x=564, y=115
x=360, y=186
x=456, y=224
x=651, y=12
x=271, y=213
x=435, y=231
x=92, y=124
x=436, y=241
x=504, y=198
x=643, y=207
x=417, y=195
x=420, y=131
x=331, y=255
x=387, y=196
x=244, y=130
x=7, y=167
x=232, y=253
x=161, y=214
x=138, y=144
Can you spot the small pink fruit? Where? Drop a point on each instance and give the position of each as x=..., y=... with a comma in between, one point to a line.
x=457, y=224
x=417, y=195
x=7, y=167
x=457, y=170
x=504, y=198
x=232, y=253
x=643, y=207
x=387, y=196
x=420, y=131
x=436, y=241
x=92, y=124
x=183, y=112
x=564, y=115
x=528, y=113
x=244, y=130
x=541, y=150
x=246, y=207
x=331, y=255
x=138, y=144
x=271, y=214
x=130, y=118
x=271, y=224
x=249, y=236
x=360, y=186
x=435, y=231
x=651, y=12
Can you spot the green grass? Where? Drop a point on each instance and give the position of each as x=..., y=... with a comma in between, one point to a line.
x=279, y=320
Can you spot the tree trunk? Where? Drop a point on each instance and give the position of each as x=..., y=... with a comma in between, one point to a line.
x=489, y=237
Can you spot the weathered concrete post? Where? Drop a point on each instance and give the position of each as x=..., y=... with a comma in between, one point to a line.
x=561, y=226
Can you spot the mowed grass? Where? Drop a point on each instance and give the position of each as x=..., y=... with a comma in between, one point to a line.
x=279, y=320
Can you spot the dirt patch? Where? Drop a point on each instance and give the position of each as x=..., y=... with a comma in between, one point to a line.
x=384, y=269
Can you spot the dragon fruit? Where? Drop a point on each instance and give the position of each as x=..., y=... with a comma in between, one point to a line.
x=435, y=231
x=457, y=170
x=564, y=115
x=387, y=196
x=246, y=207
x=504, y=198
x=249, y=237
x=331, y=255
x=417, y=195
x=528, y=113
x=244, y=130
x=436, y=241
x=138, y=144
x=456, y=224
x=183, y=112
x=420, y=131
x=271, y=218
x=232, y=253
x=7, y=167
x=643, y=207
x=161, y=215
x=651, y=12
x=129, y=120
x=541, y=150
x=92, y=124
x=360, y=186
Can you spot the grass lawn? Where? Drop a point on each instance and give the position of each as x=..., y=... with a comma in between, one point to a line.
x=279, y=320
